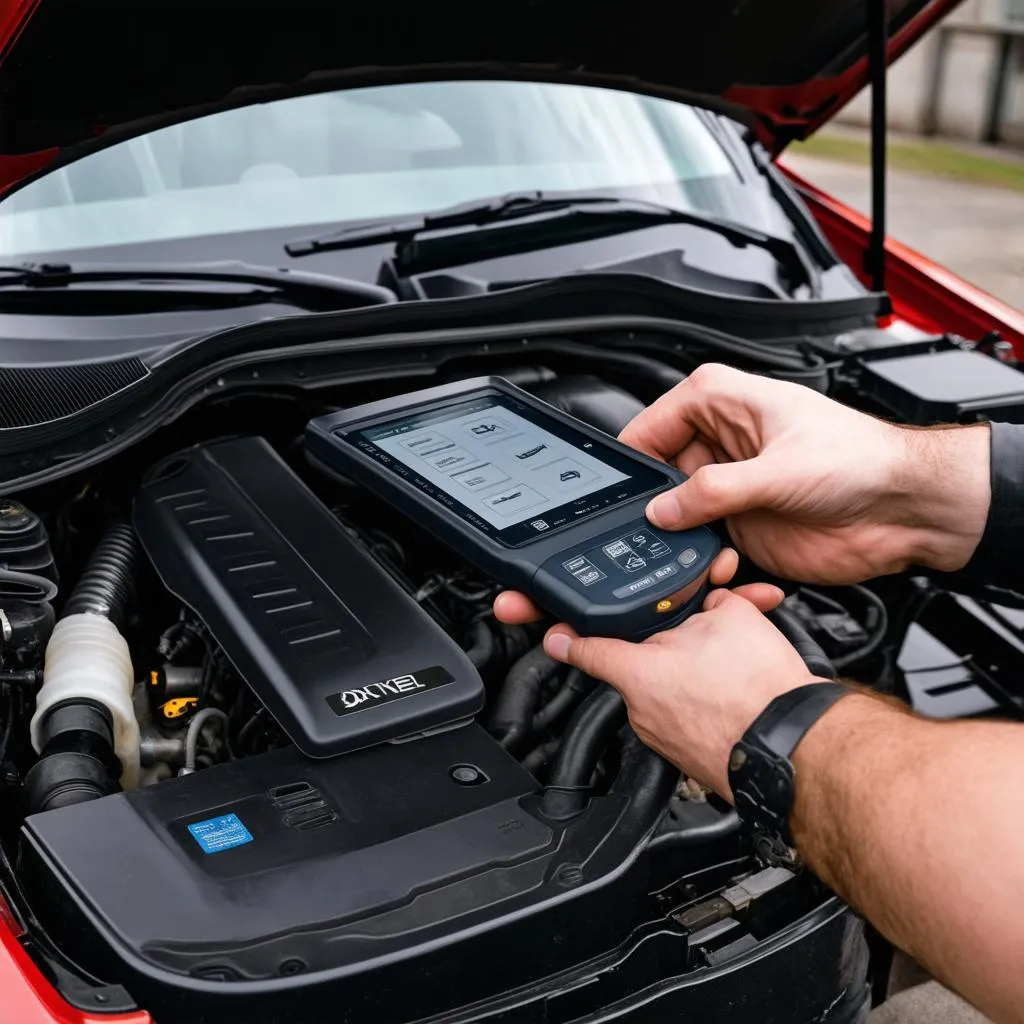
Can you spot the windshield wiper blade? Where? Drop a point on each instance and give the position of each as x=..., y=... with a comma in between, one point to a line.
x=552, y=213
x=472, y=214
x=310, y=291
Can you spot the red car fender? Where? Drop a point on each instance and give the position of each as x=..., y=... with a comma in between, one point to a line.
x=27, y=997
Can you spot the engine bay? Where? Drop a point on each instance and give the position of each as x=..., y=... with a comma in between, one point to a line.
x=263, y=737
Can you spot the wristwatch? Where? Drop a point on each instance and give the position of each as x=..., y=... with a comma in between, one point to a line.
x=760, y=770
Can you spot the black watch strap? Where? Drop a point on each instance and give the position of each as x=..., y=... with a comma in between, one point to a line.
x=761, y=772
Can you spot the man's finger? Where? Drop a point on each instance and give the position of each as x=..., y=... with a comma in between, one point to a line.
x=514, y=608
x=724, y=567
x=714, y=492
x=663, y=428
x=763, y=596
x=599, y=657
x=715, y=599
x=696, y=454
x=668, y=425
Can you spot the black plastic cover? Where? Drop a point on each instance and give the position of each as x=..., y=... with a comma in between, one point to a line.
x=247, y=867
x=945, y=387
x=340, y=654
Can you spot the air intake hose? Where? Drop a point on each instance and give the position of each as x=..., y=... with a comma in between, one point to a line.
x=78, y=761
x=109, y=578
x=517, y=701
x=84, y=727
x=591, y=728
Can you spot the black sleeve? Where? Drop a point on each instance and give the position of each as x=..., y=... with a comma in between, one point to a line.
x=999, y=558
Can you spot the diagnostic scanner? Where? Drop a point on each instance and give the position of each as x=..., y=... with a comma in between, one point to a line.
x=541, y=501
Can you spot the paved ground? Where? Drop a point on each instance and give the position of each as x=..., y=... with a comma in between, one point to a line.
x=976, y=231
x=926, y=1004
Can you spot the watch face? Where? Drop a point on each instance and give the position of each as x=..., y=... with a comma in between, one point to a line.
x=762, y=786
x=760, y=770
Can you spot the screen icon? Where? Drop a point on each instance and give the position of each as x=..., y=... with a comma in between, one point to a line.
x=530, y=452
x=539, y=525
x=514, y=500
x=479, y=478
x=487, y=429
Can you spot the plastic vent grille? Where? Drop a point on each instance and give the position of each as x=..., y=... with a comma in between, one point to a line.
x=245, y=549
x=33, y=395
x=302, y=806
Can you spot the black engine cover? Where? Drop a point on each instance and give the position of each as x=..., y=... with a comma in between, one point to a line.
x=279, y=888
x=341, y=655
x=272, y=865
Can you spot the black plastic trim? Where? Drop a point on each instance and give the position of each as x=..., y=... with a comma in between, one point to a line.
x=617, y=299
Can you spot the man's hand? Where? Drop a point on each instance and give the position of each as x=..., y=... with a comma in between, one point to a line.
x=810, y=489
x=692, y=691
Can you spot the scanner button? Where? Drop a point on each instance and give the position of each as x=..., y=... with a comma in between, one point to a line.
x=624, y=556
x=644, y=543
x=688, y=557
x=617, y=549
x=636, y=587
x=584, y=570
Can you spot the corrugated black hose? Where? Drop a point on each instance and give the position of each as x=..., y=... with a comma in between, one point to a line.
x=107, y=584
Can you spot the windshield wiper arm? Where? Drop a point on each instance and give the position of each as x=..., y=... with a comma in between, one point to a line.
x=472, y=214
x=552, y=213
x=308, y=290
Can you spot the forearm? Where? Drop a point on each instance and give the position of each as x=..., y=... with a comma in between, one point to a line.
x=942, y=494
x=919, y=826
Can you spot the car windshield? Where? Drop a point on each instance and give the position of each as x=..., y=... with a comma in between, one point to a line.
x=366, y=154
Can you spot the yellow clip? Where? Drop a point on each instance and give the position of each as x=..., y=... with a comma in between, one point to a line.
x=154, y=678
x=663, y=606
x=178, y=706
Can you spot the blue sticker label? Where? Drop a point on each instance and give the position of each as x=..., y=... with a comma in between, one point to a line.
x=217, y=834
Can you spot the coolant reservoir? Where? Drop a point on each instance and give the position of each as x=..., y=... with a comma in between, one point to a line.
x=88, y=659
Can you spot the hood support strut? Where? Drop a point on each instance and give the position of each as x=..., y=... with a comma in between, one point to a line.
x=877, y=68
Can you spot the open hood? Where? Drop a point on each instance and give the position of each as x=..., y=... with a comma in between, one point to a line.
x=75, y=77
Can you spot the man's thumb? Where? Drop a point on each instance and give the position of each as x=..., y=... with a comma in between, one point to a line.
x=599, y=657
x=714, y=491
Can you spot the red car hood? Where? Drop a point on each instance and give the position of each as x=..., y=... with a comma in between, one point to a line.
x=75, y=77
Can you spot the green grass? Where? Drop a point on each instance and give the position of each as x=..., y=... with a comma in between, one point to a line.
x=938, y=158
